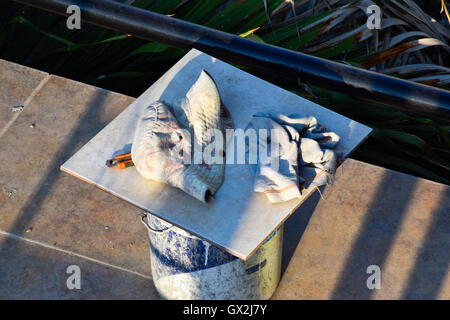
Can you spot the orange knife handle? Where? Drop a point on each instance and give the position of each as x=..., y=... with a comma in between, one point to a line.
x=125, y=164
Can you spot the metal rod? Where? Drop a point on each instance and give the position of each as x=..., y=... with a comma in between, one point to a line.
x=367, y=85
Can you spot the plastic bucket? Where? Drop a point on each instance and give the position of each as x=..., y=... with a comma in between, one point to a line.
x=186, y=267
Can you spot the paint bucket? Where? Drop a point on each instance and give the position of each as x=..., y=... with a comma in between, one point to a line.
x=187, y=267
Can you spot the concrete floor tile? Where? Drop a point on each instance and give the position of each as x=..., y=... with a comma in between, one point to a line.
x=16, y=84
x=373, y=216
x=30, y=271
x=58, y=209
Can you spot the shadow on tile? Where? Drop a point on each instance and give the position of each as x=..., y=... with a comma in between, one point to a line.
x=433, y=260
x=34, y=272
x=295, y=226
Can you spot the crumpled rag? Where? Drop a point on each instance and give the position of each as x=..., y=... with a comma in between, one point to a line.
x=298, y=155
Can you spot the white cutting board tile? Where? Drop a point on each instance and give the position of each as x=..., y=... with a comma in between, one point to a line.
x=238, y=220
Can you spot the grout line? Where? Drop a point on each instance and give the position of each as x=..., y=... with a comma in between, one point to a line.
x=13, y=119
x=34, y=242
x=27, y=102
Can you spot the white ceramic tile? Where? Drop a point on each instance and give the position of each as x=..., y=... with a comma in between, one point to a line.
x=238, y=220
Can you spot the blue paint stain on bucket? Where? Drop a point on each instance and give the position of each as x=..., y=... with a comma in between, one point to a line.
x=175, y=252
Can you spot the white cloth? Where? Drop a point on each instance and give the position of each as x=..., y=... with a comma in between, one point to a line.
x=296, y=155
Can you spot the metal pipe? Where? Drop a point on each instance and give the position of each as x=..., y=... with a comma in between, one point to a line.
x=367, y=85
